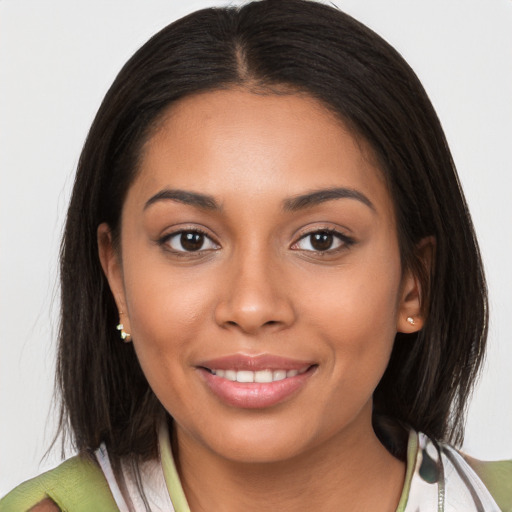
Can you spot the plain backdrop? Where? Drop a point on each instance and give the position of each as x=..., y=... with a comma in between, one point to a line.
x=57, y=59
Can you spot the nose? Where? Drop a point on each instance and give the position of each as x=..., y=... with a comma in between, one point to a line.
x=254, y=297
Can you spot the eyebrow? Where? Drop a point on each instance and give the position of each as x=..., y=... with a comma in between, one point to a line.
x=317, y=197
x=314, y=198
x=202, y=201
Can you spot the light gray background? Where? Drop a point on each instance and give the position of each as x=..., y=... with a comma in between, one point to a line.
x=57, y=59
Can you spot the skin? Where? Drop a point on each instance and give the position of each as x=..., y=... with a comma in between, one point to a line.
x=47, y=505
x=257, y=287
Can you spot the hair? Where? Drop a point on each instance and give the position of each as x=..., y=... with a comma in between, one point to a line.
x=267, y=46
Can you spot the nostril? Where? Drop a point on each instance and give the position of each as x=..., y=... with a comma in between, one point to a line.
x=270, y=322
x=251, y=313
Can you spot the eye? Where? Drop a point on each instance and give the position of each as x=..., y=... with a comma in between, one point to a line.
x=189, y=241
x=322, y=241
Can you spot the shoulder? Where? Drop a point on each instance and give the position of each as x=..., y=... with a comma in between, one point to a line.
x=497, y=477
x=440, y=472
x=76, y=485
x=47, y=505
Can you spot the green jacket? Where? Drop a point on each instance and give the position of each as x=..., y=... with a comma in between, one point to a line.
x=78, y=485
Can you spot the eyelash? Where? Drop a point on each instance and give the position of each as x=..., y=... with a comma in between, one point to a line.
x=164, y=241
x=346, y=241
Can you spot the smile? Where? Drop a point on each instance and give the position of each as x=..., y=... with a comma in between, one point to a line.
x=260, y=376
x=255, y=382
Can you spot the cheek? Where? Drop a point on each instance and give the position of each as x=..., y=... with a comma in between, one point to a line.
x=361, y=297
x=355, y=311
x=166, y=316
x=167, y=313
x=162, y=303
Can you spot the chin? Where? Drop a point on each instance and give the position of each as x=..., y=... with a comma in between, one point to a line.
x=271, y=453
x=260, y=442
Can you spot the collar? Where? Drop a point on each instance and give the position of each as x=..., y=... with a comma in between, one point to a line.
x=437, y=479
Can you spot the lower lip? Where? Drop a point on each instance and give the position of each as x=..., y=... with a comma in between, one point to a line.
x=255, y=395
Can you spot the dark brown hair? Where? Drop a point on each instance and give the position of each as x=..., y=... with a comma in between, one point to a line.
x=264, y=46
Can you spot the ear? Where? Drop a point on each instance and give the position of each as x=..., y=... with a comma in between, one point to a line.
x=112, y=268
x=412, y=307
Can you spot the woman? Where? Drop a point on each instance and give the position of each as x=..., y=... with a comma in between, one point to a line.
x=267, y=213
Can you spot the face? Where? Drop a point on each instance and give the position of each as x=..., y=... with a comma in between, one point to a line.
x=260, y=274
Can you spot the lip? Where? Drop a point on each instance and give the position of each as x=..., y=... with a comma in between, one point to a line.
x=254, y=363
x=255, y=395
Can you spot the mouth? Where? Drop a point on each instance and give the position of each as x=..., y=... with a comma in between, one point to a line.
x=255, y=382
x=260, y=376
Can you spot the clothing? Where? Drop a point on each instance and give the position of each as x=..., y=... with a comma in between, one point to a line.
x=438, y=479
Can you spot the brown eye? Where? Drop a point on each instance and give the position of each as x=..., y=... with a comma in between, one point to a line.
x=190, y=241
x=323, y=241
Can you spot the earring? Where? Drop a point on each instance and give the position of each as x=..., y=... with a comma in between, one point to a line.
x=411, y=320
x=125, y=336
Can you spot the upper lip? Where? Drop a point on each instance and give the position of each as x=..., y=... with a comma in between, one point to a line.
x=254, y=363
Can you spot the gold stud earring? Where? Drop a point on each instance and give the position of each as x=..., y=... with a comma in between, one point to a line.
x=411, y=320
x=125, y=336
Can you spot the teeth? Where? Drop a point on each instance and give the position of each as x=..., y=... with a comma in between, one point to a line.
x=230, y=375
x=244, y=376
x=261, y=376
x=278, y=375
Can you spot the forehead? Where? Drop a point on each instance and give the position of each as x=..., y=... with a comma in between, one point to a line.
x=234, y=143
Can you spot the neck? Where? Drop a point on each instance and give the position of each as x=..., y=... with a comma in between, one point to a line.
x=350, y=471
